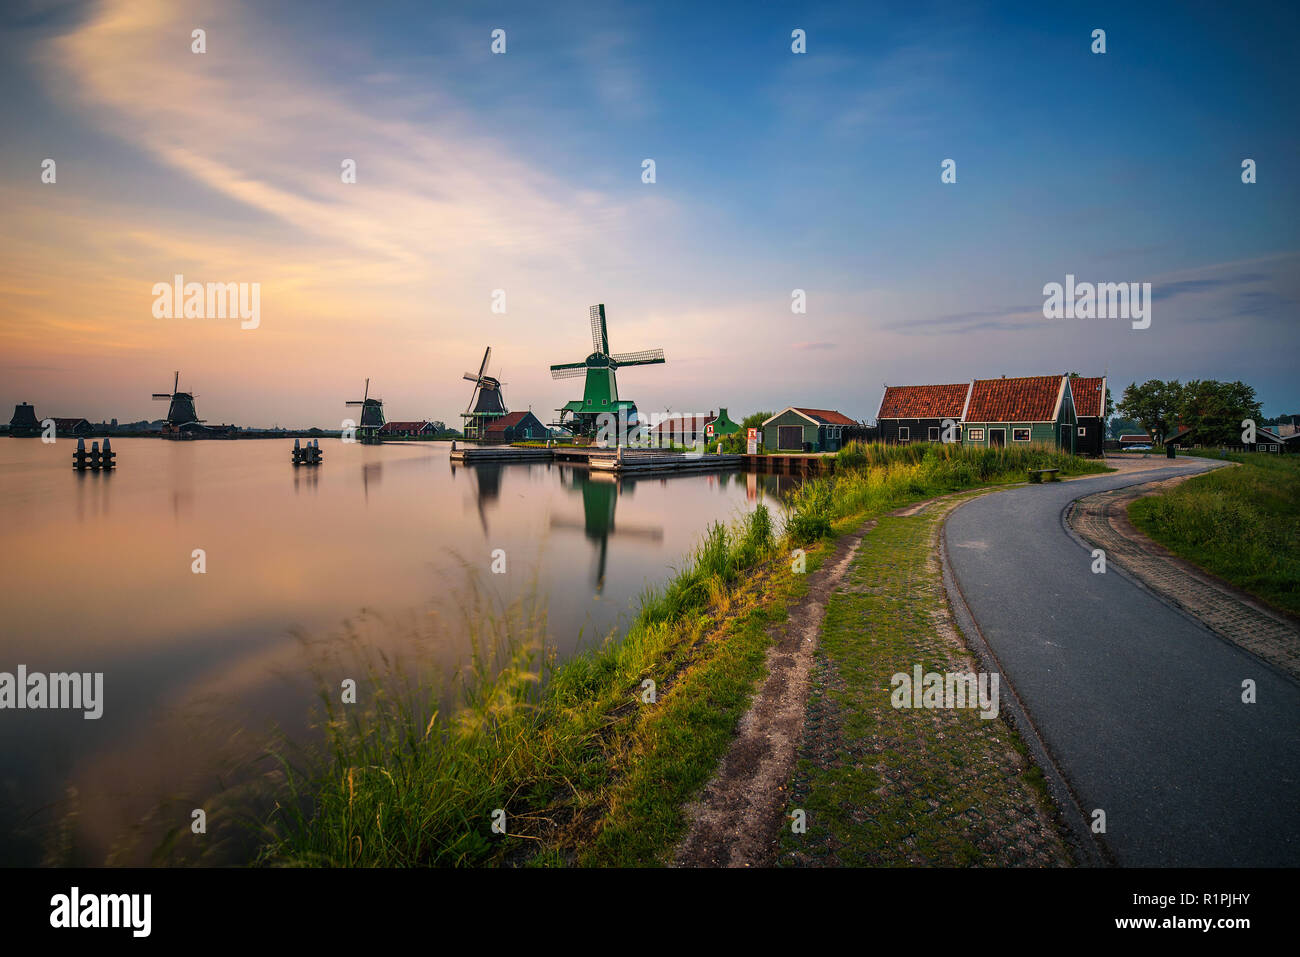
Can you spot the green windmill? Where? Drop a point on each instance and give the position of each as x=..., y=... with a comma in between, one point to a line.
x=600, y=395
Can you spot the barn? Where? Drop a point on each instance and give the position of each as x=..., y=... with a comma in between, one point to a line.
x=1021, y=410
x=916, y=413
x=795, y=429
x=516, y=427
x=1090, y=411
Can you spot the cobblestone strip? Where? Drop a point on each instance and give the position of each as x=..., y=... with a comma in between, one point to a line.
x=1103, y=520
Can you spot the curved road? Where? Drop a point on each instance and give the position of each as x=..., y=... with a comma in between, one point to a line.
x=1139, y=704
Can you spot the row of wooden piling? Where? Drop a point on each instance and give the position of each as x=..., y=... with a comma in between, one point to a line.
x=94, y=460
x=309, y=454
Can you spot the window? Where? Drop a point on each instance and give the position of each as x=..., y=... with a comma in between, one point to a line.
x=1082, y=431
x=934, y=433
x=1019, y=435
x=974, y=435
x=904, y=434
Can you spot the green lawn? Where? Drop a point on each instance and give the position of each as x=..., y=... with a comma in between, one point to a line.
x=1241, y=524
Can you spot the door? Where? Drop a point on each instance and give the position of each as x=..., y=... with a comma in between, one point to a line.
x=789, y=438
x=1067, y=438
x=998, y=437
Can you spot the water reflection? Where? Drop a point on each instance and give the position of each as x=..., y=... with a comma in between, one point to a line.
x=600, y=492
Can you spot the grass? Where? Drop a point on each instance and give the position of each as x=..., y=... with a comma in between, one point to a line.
x=1241, y=524
x=586, y=769
x=900, y=787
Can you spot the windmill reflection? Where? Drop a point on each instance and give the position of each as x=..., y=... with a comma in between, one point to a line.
x=599, y=497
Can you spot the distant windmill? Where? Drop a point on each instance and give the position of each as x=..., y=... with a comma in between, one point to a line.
x=180, y=413
x=485, y=401
x=600, y=393
x=372, y=416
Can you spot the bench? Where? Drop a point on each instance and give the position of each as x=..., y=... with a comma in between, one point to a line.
x=1036, y=475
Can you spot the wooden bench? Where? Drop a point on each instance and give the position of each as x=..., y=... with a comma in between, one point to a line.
x=1036, y=475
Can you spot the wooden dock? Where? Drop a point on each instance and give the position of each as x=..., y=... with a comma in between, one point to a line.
x=782, y=464
x=598, y=459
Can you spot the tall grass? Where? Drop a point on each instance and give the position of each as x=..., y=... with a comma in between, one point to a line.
x=874, y=477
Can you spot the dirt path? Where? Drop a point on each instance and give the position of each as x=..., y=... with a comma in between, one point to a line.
x=737, y=820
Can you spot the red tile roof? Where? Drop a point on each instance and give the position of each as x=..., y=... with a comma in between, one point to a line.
x=1023, y=399
x=827, y=416
x=1089, y=396
x=391, y=427
x=923, y=401
x=1135, y=438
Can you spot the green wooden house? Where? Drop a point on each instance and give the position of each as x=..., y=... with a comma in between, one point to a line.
x=1021, y=411
x=805, y=430
x=719, y=425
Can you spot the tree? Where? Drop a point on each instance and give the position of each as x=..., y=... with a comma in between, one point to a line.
x=1215, y=410
x=1155, y=404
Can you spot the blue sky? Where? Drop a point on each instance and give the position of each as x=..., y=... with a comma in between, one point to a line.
x=775, y=171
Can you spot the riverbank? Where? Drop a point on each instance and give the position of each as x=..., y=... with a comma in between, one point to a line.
x=592, y=762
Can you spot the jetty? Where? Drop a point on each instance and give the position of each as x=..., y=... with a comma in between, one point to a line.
x=597, y=459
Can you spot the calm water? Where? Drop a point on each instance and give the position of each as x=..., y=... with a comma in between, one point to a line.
x=385, y=542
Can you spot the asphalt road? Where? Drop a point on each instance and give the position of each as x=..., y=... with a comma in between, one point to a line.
x=1138, y=703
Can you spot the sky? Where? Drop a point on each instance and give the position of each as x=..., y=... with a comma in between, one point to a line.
x=523, y=172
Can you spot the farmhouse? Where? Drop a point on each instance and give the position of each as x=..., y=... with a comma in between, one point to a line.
x=1022, y=410
x=71, y=426
x=1090, y=411
x=796, y=429
x=407, y=429
x=1134, y=438
x=516, y=427
x=916, y=413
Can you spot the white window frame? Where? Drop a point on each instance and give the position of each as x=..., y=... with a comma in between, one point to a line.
x=1029, y=434
x=933, y=434
x=904, y=433
x=1083, y=431
x=974, y=435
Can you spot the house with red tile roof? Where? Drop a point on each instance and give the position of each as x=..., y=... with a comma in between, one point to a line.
x=798, y=429
x=1021, y=411
x=516, y=427
x=917, y=413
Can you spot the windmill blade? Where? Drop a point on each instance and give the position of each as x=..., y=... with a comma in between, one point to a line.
x=176, y=383
x=599, y=334
x=162, y=395
x=354, y=402
x=643, y=358
x=483, y=367
x=367, y=395
x=570, y=370
x=471, y=377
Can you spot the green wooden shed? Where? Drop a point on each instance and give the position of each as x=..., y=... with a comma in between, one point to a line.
x=797, y=429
